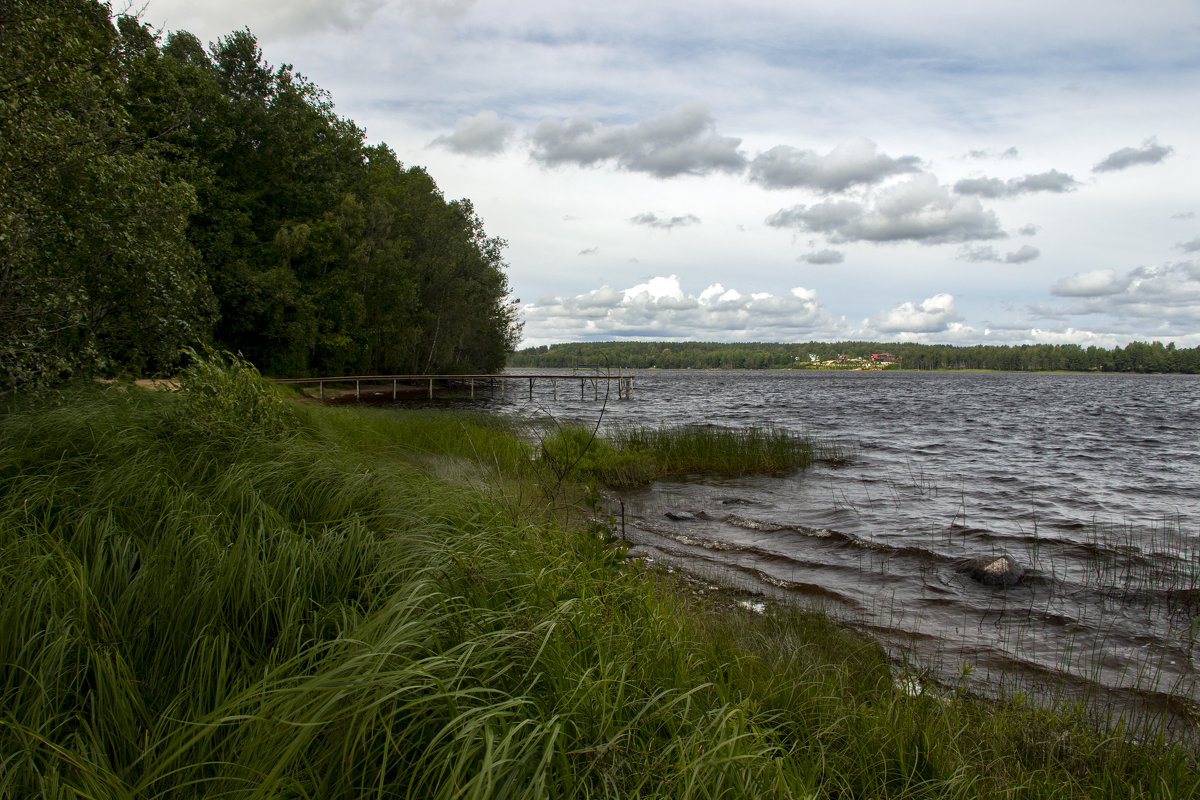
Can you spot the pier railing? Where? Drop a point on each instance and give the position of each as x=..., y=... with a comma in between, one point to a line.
x=592, y=380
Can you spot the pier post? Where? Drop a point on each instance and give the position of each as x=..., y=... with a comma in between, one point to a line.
x=531, y=388
x=393, y=388
x=431, y=388
x=472, y=388
x=321, y=388
x=357, y=393
x=554, y=387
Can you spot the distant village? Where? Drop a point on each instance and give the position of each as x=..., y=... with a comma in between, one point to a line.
x=845, y=362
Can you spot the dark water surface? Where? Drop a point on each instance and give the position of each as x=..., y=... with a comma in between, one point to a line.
x=1089, y=482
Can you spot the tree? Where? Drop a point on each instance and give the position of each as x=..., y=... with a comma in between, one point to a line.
x=92, y=244
x=155, y=195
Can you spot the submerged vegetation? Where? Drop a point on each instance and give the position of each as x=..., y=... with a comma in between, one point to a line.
x=309, y=601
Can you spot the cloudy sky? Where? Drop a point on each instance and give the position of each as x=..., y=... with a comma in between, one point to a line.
x=786, y=170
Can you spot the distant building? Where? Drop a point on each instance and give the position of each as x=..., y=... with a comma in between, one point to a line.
x=882, y=357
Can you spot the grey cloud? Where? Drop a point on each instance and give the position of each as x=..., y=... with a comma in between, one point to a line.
x=1051, y=181
x=987, y=253
x=1151, y=152
x=651, y=220
x=992, y=188
x=296, y=17
x=680, y=142
x=823, y=257
x=1023, y=255
x=1190, y=247
x=916, y=210
x=1096, y=283
x=1184, y=215
x=1166, y=298
x=853, y=162
x=1028, y=230
x=1008, y=154
x=440, y=10
x=981, y=187
x=590, y=251
x=978, y=253
x=482, y=134
x=828, y=217
x=575, y=141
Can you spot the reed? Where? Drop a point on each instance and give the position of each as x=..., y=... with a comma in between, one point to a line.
x=315, y=610
x=634, y=456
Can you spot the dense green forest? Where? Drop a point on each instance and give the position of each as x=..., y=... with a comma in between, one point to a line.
x=1134, y=357
x=155, y=193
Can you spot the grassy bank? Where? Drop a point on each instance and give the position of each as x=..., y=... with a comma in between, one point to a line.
x=214, y=594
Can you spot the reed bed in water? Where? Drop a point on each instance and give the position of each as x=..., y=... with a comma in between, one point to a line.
x=632, y=456
x=302, y=607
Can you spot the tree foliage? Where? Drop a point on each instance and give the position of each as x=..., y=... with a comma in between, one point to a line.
x=95, y=266
x=156, y=194
x=1134, y=357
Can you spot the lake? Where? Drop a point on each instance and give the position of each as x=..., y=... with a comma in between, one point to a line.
x=1088, y=482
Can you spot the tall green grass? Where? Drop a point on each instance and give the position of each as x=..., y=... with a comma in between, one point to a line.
x=634, y=456
x=348, y=604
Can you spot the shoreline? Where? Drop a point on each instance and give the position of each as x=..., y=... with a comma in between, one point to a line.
x=404, y=589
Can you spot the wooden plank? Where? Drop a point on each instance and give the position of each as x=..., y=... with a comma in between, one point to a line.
x=624, y=383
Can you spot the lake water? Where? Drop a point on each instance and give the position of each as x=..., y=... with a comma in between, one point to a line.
x=1090, y=483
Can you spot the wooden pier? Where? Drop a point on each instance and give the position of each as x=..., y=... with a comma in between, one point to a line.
x=592, y=381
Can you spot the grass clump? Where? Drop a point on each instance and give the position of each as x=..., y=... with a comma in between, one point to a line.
x=636, y=456
x=706, y=448
x=319, y=611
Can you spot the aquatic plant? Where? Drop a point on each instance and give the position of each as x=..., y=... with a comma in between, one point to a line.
x=633, y=456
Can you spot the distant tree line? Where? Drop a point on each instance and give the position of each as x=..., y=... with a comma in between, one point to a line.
x=156, y=193
x=1134, y=357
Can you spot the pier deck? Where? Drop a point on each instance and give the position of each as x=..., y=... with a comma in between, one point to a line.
x=624, y=383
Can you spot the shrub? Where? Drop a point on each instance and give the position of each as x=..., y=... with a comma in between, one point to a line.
x=224, y=391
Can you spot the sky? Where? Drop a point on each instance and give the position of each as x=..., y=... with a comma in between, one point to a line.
x=931, y=171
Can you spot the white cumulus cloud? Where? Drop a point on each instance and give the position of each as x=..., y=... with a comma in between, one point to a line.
x=659, y=308
x=932, y=315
